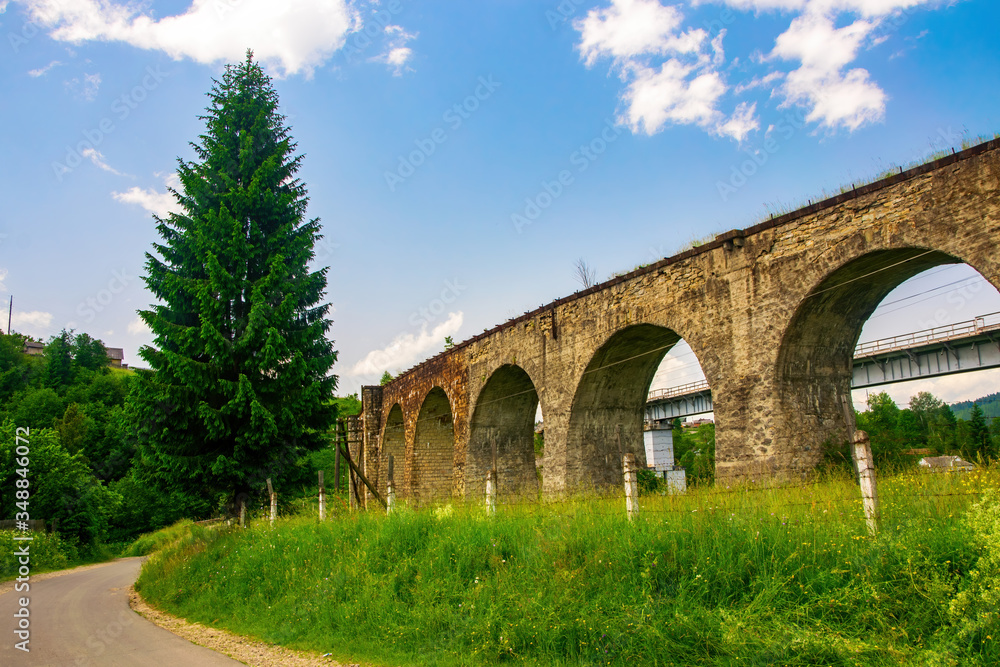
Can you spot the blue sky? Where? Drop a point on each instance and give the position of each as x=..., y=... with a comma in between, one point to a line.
x=436, y=135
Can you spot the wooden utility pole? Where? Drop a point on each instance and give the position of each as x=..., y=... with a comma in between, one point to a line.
x=336, y=466
x=356, y=474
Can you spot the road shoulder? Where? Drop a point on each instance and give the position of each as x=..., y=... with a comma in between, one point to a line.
x=244, y=649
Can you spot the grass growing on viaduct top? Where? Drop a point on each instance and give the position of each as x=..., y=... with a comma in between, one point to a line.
x=717, y=577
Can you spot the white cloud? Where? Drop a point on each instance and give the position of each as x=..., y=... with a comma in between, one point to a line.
x=43, y=70
x=293, y=35
x=407, y=349
x=158, y=203
x=33, y=322
x=741, y=123
x=950, y=388
x=836, y=98
x=630, y=28
x=683, y=89
x=86, y=89
x=669, y=95
x=758, y=82
x=864, y=7
x=397, y=54
x=138, y=326
x=97, y=158
x=3, y=277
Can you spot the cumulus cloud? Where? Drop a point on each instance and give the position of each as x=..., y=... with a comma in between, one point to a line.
x=397, y=54
x=863, y=7
x=741, y=123
x=294, y=35
x=950, y=388
x=672, y=75
x=836, y=98
x=34, y=322
x=669, y=95
x=157, y=203
x=408, y=348
x=631, y=28
x=138, y=326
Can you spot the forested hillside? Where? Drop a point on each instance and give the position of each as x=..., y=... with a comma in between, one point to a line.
x=990, y=406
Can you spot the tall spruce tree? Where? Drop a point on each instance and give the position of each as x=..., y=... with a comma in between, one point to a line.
x=239, y=386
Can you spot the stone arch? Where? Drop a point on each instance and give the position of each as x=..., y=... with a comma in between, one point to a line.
x=432, y=463
x=609, y=403
x=504, y=415
x=394, y=443
x=815, y=357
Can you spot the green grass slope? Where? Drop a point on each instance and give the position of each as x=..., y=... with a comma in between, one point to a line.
x=717, y=577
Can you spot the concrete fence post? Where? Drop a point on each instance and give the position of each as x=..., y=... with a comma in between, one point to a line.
x=866, y=479
x=491, y=492
x=631, y=486
x=322, y=498
x=243, y=512
x=390, y=488
x=274, y=501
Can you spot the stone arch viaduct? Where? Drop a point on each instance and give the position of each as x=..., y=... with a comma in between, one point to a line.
x=772, y=312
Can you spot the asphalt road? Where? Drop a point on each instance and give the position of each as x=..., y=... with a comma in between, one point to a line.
x=82, y=619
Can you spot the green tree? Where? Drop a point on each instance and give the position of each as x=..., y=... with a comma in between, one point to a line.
x=995, y=437
x=978, y=442
x=62, y=486
x=941, y=435
x=38, y=408
x=881, y=422
x=76, y=429
x=59, y=360
x=386, y=378
x=925, y=406
x=16, y=367
x=239, y=386
x=89, y=353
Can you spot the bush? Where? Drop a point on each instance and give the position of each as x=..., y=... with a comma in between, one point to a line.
x=48, y=552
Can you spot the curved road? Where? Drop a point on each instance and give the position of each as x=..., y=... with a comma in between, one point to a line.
x=82, y=619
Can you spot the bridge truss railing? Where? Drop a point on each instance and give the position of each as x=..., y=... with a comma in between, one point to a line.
x=983, y=324
x=980, y=325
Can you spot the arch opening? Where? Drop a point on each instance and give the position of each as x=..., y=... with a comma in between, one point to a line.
x=433, y=450
x=859, y=327
x=394, y=444
x=503, y=425
x=609, y=407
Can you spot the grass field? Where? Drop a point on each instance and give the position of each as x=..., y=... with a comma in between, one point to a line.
x=743, y=576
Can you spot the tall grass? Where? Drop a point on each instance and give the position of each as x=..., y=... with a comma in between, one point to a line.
x=716, y=577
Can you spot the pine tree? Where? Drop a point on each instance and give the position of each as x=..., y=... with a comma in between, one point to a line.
x=979, y=444
x=240, y=385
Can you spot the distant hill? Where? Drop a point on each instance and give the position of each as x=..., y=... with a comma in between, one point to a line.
x=990, y=405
